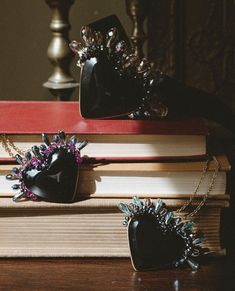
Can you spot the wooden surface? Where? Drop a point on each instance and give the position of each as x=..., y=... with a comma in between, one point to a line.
x=111, y=274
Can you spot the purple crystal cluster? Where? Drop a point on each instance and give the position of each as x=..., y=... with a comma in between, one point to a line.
x=39, y=159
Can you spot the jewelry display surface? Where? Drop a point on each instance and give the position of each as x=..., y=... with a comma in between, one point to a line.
x=112, y=274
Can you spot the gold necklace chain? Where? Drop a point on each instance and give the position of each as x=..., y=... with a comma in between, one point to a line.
x=209, y=189
x=8, y=145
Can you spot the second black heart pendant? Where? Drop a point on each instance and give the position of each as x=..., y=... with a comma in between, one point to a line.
x=157, y=239
x=49, y=172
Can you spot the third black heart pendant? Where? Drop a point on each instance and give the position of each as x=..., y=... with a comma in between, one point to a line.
x=157, y=239
x=50, y=172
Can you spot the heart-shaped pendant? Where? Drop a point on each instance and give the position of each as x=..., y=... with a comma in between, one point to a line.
x=157, y=239
x=51, y=173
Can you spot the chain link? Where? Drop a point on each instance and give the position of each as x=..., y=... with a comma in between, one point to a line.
x=209, y=189
x=184, y=206
x=8, y=145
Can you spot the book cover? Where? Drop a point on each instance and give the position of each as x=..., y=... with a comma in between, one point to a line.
x=35, y=117
x=23, y=122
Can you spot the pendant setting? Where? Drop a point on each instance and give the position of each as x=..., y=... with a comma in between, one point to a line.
x=157, y=239
x=49, y=172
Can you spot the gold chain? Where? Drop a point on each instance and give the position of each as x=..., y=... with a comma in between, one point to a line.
x=8, y=145
x=210, y=187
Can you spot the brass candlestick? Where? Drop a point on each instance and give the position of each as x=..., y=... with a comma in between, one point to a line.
x=60, y=83
x=137, y=11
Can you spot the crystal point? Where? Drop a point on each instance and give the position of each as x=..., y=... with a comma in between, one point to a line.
x=158, y=205
x=27, y=155
x=73, y=140
x=19, y=159
x=124, y=208
x=45, y=139
x=18, y=196
x=56, y=138
x=15, y=186
x=194, y=265
x=198, y=240
x=82, y=145
x=137, y=202
x=15, y=170
x=169, y=217
x=112, y=37
x=75, y=46
x=62, y=135
x=178, y=220
x=98, y=38
x=143, y=66
x=121, y=47
x=188, y=225
x=35, y=151
x=87, y=35
x=43, y=147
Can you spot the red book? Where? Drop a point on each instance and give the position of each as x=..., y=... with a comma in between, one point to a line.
x=24, y=121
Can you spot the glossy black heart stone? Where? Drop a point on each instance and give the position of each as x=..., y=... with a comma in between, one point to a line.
x=104, y=93
x=150, y=247
x=58, y=181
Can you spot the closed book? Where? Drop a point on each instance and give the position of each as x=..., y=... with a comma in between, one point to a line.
x=172, y=179
x=152, y=179
x=23, y=122
x=89, y=228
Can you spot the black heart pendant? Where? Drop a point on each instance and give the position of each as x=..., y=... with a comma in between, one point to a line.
x=57, y=182
x=51, y=173
x=104, y=93
x=157, y=239
x=151, y=248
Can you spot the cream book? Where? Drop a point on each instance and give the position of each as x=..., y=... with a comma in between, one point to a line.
x=142, y=179
x=121, y=146
x=89, y=228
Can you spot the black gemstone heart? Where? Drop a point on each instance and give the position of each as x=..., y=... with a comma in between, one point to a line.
x=58, y=181
x=104, y=93
x=150, y=247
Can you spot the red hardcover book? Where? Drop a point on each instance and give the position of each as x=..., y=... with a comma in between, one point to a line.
x=24, y=121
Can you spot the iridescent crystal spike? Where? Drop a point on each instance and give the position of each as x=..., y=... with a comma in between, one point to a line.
x=112, y=37
x=123, y=207
x=194, y=265
x=27, y=156
x=19, y=159
x=169, y=217
x=98, y=36
x=158, y=205
x=45, y=139
x=137, y=201
x=87, y=35
x=75, y=46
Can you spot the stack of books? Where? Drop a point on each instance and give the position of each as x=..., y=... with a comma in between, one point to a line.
x=149, y=159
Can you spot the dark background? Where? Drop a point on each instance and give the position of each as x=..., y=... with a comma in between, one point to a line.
x=194, y=41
